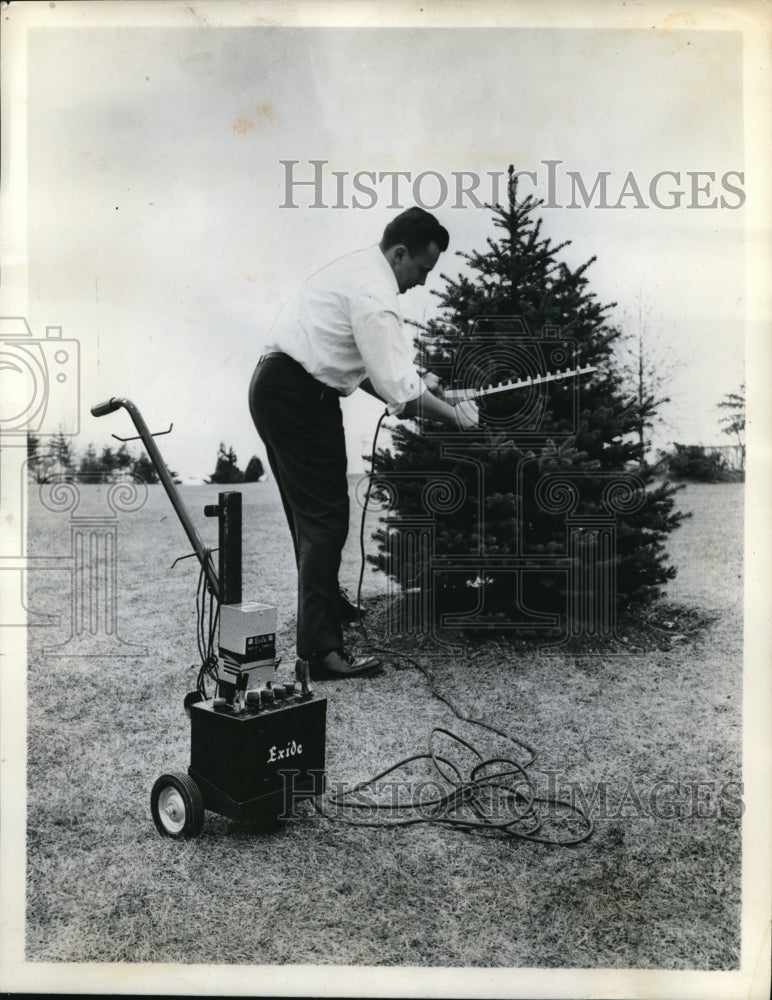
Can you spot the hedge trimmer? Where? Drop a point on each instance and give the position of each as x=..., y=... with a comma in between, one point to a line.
x=454, y=396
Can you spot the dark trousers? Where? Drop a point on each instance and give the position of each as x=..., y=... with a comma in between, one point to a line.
x=300, y=422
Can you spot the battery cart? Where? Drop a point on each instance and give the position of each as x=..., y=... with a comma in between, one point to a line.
x=257, y=746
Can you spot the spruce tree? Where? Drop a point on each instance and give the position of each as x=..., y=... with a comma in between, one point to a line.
x=61, y=456
x=109, y=463
x=124, y=460
x=493, y=500
x=144, y=470
x=254, y=471
x=36, y=469
x=91, y=469
x=227, y=470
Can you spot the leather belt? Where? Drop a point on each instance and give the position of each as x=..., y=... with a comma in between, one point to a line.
x=325, y=391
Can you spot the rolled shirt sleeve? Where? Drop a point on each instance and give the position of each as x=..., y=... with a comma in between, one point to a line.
x=386, y=350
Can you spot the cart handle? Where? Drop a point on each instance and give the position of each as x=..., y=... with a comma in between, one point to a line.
x=102, y=409
x=116, y=403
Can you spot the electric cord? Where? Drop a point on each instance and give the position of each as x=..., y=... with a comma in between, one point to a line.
x=515, y=810
x=473, y=800
x=362, y=558
x=207, y=618
x=515, y=790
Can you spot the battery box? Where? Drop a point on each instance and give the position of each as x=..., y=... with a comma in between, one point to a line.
x=257, y=763
x=247, y=643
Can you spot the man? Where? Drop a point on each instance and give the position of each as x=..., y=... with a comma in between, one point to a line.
x=343, y=330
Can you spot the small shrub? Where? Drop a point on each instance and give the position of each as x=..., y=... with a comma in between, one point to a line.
x=692, y=463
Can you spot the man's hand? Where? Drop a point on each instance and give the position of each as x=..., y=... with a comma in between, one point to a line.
x=462, y=417
x=467, y=415
x=433, y=384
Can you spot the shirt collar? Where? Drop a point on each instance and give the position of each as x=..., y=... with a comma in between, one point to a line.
x=385, y=265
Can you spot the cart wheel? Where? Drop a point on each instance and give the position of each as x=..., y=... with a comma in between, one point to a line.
x=177, y=806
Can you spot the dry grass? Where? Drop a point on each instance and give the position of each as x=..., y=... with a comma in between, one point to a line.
x=646, y=890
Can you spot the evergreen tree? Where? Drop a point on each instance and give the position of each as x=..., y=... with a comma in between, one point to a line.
x=60, y=457
x=33, y=448
x=108, y=462
x=227, y=469
x=648, y=365
x=734, y=403
x=91, y=469
x=691, y=462
x=123, y=458
x=37, y=464
x=144, y=470
x=254, y=471
x=489, y=491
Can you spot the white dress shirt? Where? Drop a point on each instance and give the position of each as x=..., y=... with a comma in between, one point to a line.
x=345, y=324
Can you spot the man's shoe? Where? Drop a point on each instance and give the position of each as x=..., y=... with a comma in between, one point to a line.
x=348, y=613
x=336, y=665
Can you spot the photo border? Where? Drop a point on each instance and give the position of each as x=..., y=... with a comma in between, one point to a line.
x=754, y=19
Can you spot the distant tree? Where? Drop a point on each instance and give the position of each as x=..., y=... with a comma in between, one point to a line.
x=691, y=462
x=123, y=458
x=123, y=462
x=144, y=469
x=108, y=462
x=61, y=462
x=254, y=471
x=33, y=446
x=227, y=469
x=734, y=403
x=90, y=469
x=37, y=463
x=647, y=366
x=59, y=456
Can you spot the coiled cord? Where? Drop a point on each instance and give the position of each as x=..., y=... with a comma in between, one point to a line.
x=497, y=790
x=471, y=800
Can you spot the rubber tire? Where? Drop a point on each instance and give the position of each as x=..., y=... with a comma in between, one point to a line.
x=180, y=791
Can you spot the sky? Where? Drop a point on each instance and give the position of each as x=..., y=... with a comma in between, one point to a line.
x=160, y=237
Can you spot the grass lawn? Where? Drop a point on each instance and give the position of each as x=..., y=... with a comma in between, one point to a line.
x=647, y=734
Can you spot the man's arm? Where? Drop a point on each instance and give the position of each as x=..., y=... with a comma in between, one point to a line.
x=463, y=416
x=367, y=385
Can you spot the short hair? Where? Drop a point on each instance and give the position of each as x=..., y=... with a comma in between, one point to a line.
x=415, y=229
